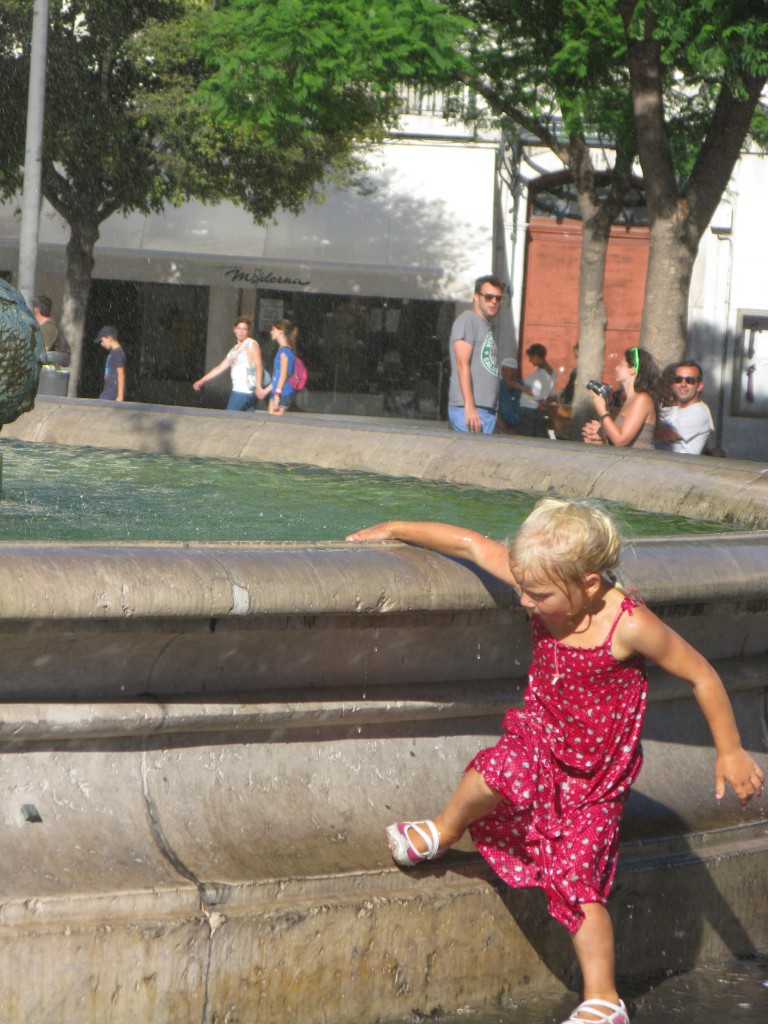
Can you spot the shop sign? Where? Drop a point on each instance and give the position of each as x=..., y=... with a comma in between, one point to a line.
x=260, y=276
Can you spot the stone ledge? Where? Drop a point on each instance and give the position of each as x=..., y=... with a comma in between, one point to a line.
x=71, y=581
x=287, y=713
x=436, y=940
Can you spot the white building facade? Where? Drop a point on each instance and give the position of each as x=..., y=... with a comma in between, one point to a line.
x=728, y=312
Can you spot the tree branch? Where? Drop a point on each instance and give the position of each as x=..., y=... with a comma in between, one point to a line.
x=520, y=118
x=645, y=72
x=721, y=149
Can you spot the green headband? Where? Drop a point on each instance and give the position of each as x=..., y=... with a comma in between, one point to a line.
x=635, y=354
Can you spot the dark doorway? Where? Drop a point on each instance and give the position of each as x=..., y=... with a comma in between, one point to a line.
x=163, y=329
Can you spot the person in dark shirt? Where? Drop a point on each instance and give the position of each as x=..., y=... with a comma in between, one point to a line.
x=508, y=418
x=114, y=370
x=53, y=339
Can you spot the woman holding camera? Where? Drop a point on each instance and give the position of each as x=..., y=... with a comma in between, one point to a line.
x=638, y=376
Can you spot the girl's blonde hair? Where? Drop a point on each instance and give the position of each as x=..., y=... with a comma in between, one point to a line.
x=565, y=540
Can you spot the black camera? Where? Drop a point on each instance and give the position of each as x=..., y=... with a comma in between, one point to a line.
x=600, y=389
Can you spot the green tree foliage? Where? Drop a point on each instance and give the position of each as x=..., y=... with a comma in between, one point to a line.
x=255, y=101
x=97, y=156
x=94, y=150
x=697, y=70
x=263, y=100
x=542, y=62
x=555, y=70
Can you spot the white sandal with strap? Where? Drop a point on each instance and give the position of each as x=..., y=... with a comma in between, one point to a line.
x=600, y=1012
x=402, y=849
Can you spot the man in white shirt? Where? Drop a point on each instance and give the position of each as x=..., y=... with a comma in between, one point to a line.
x=685, y=427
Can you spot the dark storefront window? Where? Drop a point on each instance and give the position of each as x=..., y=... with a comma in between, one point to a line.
x=163, y=328
x=366, y=356
x=390, y=350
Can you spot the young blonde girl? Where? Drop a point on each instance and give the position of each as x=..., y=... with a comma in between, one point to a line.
x=543, y=806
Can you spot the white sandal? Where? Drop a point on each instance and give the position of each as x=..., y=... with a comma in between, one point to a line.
x=402, y=849
x=601, y=1012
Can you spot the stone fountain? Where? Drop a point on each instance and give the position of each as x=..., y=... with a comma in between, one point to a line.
x=202, y=744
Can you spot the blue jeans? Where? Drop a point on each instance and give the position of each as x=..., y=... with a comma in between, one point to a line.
x=458, y=421
x=241, y=401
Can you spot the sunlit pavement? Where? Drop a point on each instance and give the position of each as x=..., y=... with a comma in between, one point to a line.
x=732, y=993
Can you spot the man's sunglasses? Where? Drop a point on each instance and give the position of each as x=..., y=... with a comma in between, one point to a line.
x=688, y=380
x=490, y=297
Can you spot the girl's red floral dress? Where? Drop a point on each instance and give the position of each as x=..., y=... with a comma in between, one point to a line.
x=565, y=765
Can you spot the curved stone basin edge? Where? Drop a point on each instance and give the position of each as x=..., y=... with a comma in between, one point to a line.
x=281, y=712
x=54, y=582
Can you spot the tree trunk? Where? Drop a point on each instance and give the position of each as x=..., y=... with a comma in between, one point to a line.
x=678, y=214
x=593, y=317
x=673, y=247
x=597, y=216
x=83, y=237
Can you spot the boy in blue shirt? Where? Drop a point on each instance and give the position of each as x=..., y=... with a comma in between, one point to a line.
x=114, y=370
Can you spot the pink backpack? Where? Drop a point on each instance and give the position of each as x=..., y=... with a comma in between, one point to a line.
x=298, y=378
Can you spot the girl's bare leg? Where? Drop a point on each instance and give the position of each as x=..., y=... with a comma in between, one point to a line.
x=471, y=799
x=594, y=947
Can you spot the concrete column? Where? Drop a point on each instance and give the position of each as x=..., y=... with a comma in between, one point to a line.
x=222, y=311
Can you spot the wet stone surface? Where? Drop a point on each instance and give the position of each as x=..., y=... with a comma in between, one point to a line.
x=732, y=993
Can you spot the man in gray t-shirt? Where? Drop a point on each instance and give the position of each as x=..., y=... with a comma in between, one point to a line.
x=474, y=392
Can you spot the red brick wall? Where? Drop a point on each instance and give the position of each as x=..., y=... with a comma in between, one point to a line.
x=551, y=292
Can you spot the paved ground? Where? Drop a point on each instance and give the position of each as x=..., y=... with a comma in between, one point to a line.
x=733, y=993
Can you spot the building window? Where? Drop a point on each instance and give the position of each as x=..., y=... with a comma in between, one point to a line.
x=750, y=379
x=389, y=353
x=163, y=329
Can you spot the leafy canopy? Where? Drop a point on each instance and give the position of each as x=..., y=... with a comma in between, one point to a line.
x=704, y=47
x=548, y=65
x=257, y=101
x=95, y=150
x=278, y=95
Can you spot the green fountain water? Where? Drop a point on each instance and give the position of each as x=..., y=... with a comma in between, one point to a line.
x=55, y=493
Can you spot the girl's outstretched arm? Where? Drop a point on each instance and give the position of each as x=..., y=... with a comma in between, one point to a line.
x=219, y=368
x=643, y=633
x=490, y=555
